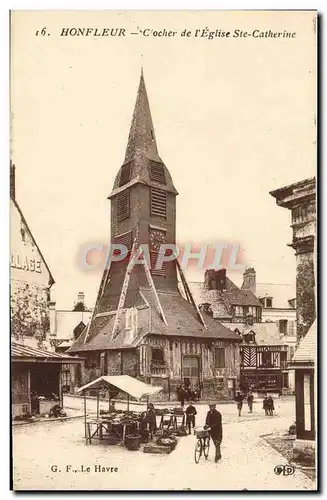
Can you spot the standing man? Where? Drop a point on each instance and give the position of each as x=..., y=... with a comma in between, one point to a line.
x=250, y=401
x=239, y=401
x=213, y=421
x=265, y=404
x=190, y=416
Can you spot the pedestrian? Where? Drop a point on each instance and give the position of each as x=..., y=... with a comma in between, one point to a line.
x=239, y=401
x=190, y=416
x=152, y=420
x=265, y=404
x=178, y=392
x=271, y=406
x=182, y=396
x=250, y=401
x=214, y=422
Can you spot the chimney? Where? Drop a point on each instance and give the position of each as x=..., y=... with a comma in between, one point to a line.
x=12, y=181
x=249, y=280
x=80, y=297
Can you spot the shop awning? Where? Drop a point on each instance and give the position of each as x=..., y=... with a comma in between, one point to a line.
x=123, y=383
x=23, y=353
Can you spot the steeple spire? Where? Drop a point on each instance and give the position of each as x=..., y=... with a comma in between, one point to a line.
x=141, y=140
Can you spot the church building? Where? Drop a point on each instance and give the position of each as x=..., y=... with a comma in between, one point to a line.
x=141, y=324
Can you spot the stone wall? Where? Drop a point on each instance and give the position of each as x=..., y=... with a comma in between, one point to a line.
x=305, y=293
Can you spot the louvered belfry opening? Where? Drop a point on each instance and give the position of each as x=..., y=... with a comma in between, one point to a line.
x=164, y=265
x=125, y=239
x=157, y=172
x=158, y=202
x=123, y=205
x=125, y=174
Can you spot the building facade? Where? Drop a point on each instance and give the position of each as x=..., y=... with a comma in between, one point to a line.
x=30, y=280
x=300, y=199
x=267, y=345
x=141, y=324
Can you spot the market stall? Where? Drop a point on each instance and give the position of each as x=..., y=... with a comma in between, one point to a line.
x=114, y=425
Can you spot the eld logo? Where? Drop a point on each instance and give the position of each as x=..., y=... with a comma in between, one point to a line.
x=285, y=470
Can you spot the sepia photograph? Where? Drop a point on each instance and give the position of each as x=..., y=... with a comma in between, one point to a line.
x=163, y=250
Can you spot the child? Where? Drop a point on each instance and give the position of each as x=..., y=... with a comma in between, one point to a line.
x=190, y=416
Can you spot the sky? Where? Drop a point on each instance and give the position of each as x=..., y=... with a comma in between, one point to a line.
x=234, y=120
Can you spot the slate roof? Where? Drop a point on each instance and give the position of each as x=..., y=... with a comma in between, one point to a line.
x=307, y=350
x=142, y=147
x=181, y=317
x=265, y=333
x=221, y=301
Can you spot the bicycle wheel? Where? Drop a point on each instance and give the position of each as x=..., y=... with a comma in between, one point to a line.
x=198, y=451
x=206, y=447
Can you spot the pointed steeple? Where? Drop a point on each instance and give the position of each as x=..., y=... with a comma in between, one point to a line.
x=141, y=140
x=141, y=149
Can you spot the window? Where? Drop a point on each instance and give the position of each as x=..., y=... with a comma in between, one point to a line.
x=158, y=202
x=125, y=239
x=123, y=205
x=157, y=172
x=125, y=174
x=219, y=357
x=266, y=359
x=268, y=302
x=239, y=311
x=283, y=326
x=157, y=272
x=157, y=356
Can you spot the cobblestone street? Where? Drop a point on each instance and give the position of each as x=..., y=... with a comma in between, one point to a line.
x=248, y=462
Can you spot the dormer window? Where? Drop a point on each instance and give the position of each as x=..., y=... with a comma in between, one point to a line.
x=266, y=302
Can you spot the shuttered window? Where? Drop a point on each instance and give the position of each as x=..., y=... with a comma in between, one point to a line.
x=154, y=271
x=123, y=205
x=158, y=202
x=124, y=239
x=125, y=174
x=157, y=172
x=219, y=357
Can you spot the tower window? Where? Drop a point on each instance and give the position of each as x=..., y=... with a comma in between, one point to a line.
x=158, y=202
x=123, y=205
x=157, y=172
x=125, y=239
x=157, y=272
x=125, y=174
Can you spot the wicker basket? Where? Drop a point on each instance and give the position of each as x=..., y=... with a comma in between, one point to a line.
x=201, y=433
x=132, y=442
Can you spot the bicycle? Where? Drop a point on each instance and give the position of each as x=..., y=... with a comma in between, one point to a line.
x=202, y=445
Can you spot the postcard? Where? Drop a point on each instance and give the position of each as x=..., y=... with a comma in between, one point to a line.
x=163, y=250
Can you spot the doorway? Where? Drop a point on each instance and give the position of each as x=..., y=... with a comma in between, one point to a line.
x=191, y=372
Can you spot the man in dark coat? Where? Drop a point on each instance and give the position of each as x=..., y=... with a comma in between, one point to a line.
x=265, y=404
x=213, y=421
x=190, y=416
